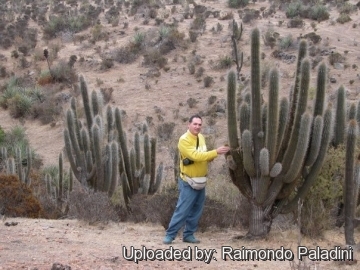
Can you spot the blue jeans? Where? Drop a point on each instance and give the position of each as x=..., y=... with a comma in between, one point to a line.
x=188, y=210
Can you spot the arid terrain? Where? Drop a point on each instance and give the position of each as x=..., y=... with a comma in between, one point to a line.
x=169, y=98
x=38, y=244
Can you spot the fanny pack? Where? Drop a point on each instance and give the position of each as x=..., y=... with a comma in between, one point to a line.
x=196, y=182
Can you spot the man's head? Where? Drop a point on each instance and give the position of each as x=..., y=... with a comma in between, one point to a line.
x=195, y=122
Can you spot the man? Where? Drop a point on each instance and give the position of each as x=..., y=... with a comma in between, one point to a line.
x=191, y=201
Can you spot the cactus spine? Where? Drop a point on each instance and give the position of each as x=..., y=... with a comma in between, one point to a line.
x=281, y=141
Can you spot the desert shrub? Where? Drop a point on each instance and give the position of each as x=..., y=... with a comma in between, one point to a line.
x=165, y=130
x=343, y=18
x=18, y=99
x=23, y=62
x=224, y=62
x=177, y=38
x=164, y=32
x=191, y=102
x=20, y=104
x=199, y=72
x=139, y=39
x=211, y=100
x=125, y=55
x=62, y=72
x=9, y=92
x=347, y=8
x=320, y=204
x=106, y=63
x=237, y=3
x=45, y=77
x=98, y=33
x=130, y=52
x=313, y=37
x=319, y=12
x=16, y=198
x=112, y=14
x=48, y=110
x=49, y=207
x=294, y=9
x=249, y=14
x=153, y=57
x=91, y=207
x=208, y=81
x=285, y=43
x=3, y=72
x=270, y=37
x=296, y=23
x=335, y=58
x=199, y=24
x=75, y=24
x=193, y=35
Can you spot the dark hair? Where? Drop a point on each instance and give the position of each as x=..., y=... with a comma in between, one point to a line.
x=194, y=116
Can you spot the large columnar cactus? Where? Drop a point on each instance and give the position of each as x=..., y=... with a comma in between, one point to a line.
x=352, y=181
x=98, y=152
x=278, y=147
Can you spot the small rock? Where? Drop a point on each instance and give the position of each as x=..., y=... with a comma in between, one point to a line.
x=339, y=66
x=59, y=266
x=332, y=80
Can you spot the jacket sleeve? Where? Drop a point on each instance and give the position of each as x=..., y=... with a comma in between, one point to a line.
x=188, y=150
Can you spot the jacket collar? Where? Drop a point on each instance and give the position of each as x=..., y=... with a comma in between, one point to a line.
x=191, y=135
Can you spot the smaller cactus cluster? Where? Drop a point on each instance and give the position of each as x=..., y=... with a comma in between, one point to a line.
x=98, y=151
x=56, y=185
x=18, y=164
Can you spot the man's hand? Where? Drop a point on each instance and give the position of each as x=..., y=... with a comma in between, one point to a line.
x=222, y=150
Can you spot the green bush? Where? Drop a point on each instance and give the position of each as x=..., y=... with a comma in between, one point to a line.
x=319, y=12
x=343, y=18
x=62, y=72
x=347, y=8
x=20, y=105
x=224, y=62
x=321, y=202
x=294, y=9
x=16, y=138
x=335, y=58
x=237, y=3
x=208, y=81
x=284, y=43
x=57, y=24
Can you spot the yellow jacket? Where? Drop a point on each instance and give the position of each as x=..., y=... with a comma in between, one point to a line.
x=200, y=156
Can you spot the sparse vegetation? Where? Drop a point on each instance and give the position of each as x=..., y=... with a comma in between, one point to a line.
x=343, y=18
x=237, y=3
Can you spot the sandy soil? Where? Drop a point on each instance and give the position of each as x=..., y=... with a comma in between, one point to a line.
x=38, y=244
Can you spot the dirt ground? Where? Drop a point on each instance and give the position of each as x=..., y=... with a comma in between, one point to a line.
x=38, y=244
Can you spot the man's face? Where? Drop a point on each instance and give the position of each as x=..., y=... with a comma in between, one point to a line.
x=195, y=126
